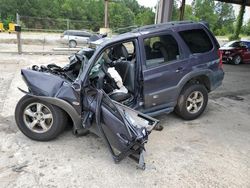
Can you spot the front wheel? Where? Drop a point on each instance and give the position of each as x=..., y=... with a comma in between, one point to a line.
x=39, y=120
x=192, y=101
x=237, y=60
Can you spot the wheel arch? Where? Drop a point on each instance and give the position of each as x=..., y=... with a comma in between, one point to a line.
x=67, y=108
x=201, y=77
x=64, y=106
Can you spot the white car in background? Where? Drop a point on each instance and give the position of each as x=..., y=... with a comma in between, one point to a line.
x=76, y=37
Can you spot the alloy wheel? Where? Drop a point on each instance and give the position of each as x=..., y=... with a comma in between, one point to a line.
x=194, y=102
x=38, y=117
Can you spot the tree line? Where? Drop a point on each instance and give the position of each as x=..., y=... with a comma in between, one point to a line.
x=89, y=14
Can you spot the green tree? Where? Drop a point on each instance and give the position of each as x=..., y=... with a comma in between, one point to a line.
x=204, y=11
x=246, y=28
x=88, y=14
x=175, y=12
x=189, y=13
x=145, y=17
x=120, y=16
x=239, y=22
x=133, y=5
x=225, y=19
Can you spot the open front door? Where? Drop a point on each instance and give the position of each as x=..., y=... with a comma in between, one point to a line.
x=124, y=130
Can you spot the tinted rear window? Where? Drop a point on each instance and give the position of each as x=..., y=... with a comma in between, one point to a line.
x=197, y=40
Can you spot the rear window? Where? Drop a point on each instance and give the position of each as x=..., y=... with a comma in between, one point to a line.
x=197, y=40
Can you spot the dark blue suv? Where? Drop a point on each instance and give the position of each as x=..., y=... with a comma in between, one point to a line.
x=109, y=88
x=162, y=68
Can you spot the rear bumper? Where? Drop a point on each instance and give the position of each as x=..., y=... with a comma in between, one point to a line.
x=216, y=79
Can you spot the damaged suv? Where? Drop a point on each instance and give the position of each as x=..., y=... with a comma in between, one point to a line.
x=109, y=88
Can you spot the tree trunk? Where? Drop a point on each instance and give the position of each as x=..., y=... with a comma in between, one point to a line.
x=182, y=9
x=239, y=23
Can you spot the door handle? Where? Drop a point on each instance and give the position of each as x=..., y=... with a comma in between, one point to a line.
x=179, y=69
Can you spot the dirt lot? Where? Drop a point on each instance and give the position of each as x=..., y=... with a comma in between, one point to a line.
x=212, y=151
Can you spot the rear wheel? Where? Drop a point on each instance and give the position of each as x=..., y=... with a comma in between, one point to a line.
x=39, y=120
x=192, y=101
x=237, y=60
x=72, y=44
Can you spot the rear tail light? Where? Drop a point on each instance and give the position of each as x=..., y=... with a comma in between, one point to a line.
x=220, y=60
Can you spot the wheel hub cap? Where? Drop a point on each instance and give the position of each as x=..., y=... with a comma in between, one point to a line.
x=38, y=117
x=194, y=102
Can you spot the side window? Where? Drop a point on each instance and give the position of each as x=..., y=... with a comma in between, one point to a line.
x=236, y=45
x=84, y=34
x=79, y=34
x=69, y=33
x=160, y=50
x=197, y=40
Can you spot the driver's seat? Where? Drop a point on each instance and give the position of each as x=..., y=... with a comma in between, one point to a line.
x=123, y=68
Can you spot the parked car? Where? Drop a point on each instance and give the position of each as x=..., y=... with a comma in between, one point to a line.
x=236, y=52
x=165, y=67
x=76, y=37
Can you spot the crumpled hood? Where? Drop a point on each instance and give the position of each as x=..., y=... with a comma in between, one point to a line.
x=41, y=83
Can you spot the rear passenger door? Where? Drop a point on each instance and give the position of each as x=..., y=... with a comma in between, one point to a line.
x=164, y=66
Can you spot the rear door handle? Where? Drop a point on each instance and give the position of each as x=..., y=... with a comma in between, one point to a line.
x=179, y=69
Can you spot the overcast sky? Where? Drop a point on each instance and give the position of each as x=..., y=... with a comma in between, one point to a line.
x=152, y=3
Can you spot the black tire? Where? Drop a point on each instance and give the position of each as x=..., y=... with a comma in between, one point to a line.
x=184, y=103
x=57, y=122
x=237, y=60
x=72, y=43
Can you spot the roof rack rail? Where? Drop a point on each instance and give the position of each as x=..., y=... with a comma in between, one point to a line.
x=154, y=26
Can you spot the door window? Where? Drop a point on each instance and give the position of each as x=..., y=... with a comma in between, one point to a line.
x=160, y=50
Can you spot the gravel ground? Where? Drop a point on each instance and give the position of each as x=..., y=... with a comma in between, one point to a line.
x=212, y=151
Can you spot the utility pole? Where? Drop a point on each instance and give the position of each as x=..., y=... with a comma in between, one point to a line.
x=164, y=11
x=18, y=34
x=106, y=25
x=182, y=9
